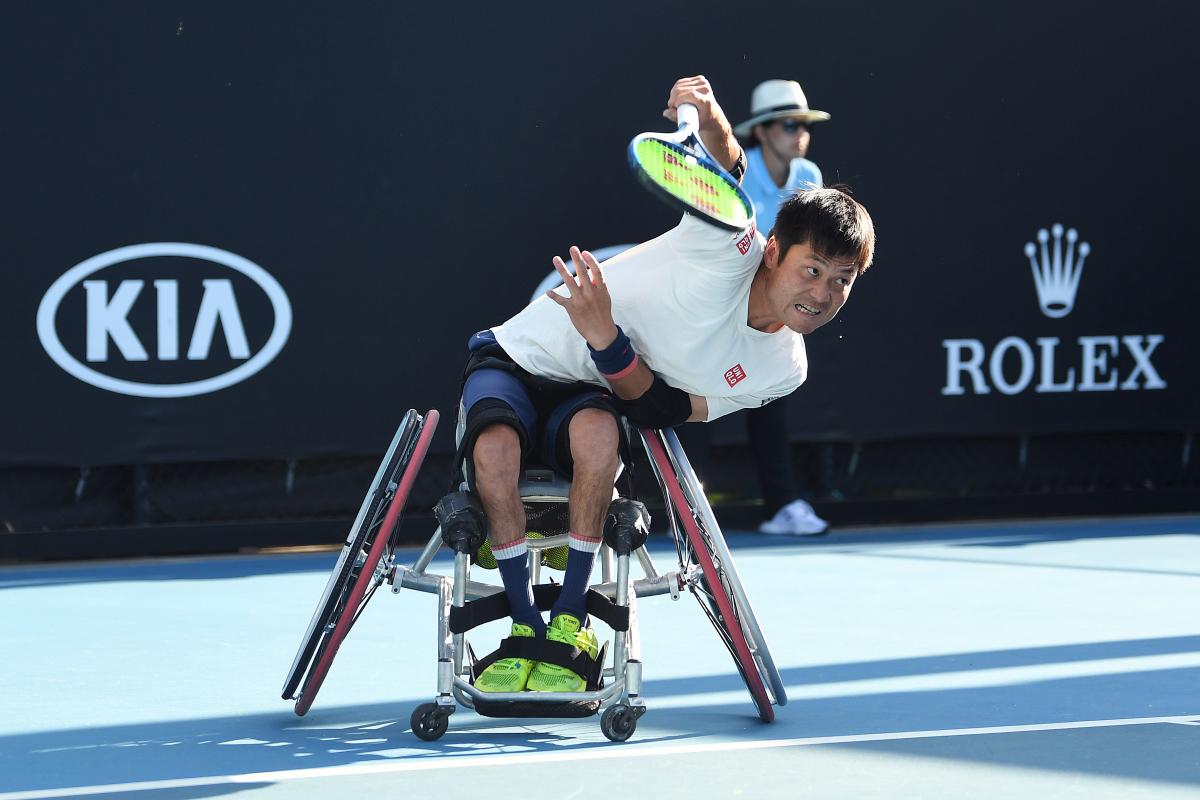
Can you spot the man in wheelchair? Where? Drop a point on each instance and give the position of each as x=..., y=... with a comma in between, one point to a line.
x=689, y=326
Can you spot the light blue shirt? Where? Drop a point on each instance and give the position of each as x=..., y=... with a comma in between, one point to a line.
x=763, y=192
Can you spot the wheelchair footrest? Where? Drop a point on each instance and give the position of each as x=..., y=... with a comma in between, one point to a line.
x=533, y=708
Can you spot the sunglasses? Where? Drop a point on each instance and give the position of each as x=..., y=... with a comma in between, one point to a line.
x=793, y=125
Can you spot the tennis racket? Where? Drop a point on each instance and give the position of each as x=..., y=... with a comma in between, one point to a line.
x=676, y=168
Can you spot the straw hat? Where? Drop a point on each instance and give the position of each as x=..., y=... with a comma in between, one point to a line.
x=776, y=99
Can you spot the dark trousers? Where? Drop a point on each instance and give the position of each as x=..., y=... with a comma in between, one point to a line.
x=772, y=449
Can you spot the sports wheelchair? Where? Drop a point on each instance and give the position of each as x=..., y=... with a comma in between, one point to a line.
x=704, y=567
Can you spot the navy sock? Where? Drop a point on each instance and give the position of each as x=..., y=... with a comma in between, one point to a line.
x=580, y=557
x=513, y=562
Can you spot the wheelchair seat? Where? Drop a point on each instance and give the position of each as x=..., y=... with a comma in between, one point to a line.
x=540, y=485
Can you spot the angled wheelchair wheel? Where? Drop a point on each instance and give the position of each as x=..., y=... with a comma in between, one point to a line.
x=719, y=589
x=357, y=573
x=707, y=522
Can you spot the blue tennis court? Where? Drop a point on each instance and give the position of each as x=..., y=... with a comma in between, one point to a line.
x=1049, y=659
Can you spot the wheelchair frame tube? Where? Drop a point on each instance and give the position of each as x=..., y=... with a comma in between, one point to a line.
x=645, y=587
x=431, y=548
x=446, y=648
x=622, y=599
x=647, y=565
x=462, y=569
x=534, y=557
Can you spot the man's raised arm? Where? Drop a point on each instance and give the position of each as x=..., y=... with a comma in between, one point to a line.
x=715, y=130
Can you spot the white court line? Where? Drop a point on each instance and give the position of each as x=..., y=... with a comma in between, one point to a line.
x=588, y=754
x=963, y=678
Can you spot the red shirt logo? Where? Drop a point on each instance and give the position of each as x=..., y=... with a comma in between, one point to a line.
x=743, y=244
x=734, y=375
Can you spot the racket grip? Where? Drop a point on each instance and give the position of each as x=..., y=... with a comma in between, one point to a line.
x=689, y=117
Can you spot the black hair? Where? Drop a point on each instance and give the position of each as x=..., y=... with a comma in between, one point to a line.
x=833, y=223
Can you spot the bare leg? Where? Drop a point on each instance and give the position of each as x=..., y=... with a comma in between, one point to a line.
x=497, y=460
x=594, y=444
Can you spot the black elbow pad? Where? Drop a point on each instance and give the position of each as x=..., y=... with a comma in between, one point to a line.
x=662, y=406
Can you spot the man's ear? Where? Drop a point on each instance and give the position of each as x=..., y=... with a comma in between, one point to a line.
x=771, y=253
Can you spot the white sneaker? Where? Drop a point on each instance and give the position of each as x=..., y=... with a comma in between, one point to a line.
x=796, y=518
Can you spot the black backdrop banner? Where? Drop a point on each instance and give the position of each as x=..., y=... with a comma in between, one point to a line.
x=264, y=230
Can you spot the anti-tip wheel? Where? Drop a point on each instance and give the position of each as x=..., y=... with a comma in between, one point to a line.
x=429, y=722
x=618, y=722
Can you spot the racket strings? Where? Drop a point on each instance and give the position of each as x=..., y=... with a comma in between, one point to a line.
x=691, y=180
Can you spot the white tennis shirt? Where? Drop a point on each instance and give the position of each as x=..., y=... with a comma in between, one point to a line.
x=683, y=300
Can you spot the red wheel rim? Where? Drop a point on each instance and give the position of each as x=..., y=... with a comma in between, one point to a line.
x=316, y=677
x=738, y=637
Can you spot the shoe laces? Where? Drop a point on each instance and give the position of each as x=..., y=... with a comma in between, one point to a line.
x=563, y=628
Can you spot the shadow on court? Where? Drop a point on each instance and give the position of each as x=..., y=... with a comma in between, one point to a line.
x=796, y=678
x=197, y=634
x=345, y=735
x=280, y=742
x=182, y=792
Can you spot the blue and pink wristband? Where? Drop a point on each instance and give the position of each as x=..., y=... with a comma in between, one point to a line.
x=618, y=359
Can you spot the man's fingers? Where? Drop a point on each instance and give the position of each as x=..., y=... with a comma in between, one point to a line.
x=594, y=266
x=695, y=90
x=587, y=271
x=582, y=270
x=563, y=272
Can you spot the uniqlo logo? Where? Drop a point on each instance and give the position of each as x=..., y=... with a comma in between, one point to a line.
x=735, y=375
x=743, y=244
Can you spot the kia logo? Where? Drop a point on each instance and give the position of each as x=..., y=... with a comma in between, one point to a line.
x=181, y=300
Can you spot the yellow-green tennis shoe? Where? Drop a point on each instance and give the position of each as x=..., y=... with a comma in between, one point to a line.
x=508, y=674
x=553, y=678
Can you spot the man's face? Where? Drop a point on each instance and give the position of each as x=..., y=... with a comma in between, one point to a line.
x=787, y=138
x=805, y=290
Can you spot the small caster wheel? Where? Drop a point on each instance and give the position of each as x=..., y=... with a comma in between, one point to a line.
x=429, y=722
x=618, y=722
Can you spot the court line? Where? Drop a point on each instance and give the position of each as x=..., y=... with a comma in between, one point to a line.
x=1032, y=564
x=590, y=754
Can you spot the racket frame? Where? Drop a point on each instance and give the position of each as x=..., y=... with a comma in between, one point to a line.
x=686, y=141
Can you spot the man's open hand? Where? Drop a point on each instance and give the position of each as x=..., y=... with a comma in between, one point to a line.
x=587, y=302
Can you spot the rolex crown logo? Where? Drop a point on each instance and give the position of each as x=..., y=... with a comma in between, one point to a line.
x=1055, y=273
